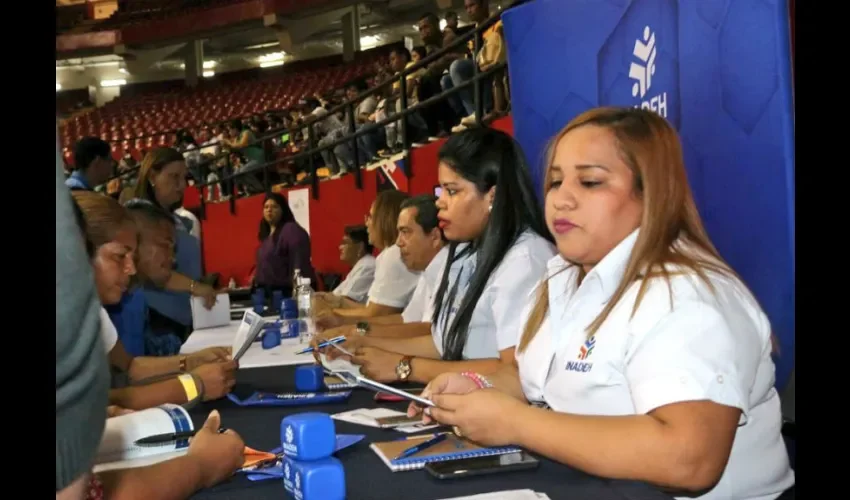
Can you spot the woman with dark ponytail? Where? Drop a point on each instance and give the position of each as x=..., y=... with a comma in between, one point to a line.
x=499, y=247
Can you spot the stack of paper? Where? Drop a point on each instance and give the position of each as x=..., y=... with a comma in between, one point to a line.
x=506, y=495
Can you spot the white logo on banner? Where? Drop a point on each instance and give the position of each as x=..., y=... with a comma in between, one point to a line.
x=642, y=72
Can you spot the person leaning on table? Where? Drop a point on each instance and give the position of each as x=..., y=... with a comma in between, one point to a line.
x=82, y=381
x=652, y=354
x=113, y=236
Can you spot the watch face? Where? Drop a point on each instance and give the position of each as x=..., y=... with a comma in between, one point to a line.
x=403, y=369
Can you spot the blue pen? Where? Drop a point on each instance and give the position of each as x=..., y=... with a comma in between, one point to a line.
x=423, y=446
x=335, y=340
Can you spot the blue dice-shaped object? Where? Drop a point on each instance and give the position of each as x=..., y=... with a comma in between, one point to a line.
x=271, y=338
x=316, y=480
x=308, y=436
x=309, y=378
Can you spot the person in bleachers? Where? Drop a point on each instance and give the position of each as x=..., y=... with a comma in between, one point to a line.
x=643, y=355
x=112, y=235
x=493, y=51
x=393, y=285
x=422, y=247
x=356, y=251
x=93, y=164
x=187, y=145
x=417, y=129
x=341, y=159
x=439, y=116
x=499, y=247
x=418, y=53
x=240, y=139
x=452, y=26
x=82, y=380
x=284, y=247
x=162, y=180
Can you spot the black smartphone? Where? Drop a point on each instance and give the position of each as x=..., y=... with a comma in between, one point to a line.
x=463, y=467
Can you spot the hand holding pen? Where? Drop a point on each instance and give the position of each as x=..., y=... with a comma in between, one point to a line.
x=218, y=454
x=318, y=345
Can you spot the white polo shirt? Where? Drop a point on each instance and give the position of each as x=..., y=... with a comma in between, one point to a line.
x=496, y=320
x=428, y=282
x=705, y=346
x=356, y=285
x=394, y=283
x=108, y=333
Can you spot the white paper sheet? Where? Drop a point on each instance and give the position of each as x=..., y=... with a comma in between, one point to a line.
x=219, y=315
x=255, y=356
x=506, y=495
x=299, y=203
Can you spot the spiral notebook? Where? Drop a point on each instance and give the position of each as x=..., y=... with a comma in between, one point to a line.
x=452, y=448
x=118, y=450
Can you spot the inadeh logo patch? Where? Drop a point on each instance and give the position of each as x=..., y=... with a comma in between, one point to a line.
x=642, y=71
x=638, y=59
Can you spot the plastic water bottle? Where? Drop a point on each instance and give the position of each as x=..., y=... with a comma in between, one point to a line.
x=305, y=310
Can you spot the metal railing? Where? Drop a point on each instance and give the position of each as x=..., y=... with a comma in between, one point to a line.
x=351, y=137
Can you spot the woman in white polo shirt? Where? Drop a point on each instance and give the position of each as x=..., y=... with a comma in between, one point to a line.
x=356, y=251
x=498, y=249
x=650, y=350
x=393, y=283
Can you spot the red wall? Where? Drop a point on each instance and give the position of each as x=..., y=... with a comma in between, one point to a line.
x=230, y=240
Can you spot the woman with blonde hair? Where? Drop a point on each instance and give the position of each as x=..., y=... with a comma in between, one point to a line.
x=162, y=181
x=645, y=357
x=393, y=284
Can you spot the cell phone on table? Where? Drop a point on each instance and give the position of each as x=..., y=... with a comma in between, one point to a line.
x=464, y=467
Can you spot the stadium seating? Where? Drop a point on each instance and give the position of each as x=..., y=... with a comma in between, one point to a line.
x=149, y=120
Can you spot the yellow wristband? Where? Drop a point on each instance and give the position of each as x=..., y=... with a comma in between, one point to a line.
x=189, y=386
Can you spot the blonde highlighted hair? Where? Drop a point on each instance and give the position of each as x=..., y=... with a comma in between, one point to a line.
x=154, y=161
x=650, y=147
x=385, y=218
x=104, y=217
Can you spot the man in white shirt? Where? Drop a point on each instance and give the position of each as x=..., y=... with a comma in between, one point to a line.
x=422, y=249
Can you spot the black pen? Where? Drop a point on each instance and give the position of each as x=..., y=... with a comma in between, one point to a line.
x=171, y=436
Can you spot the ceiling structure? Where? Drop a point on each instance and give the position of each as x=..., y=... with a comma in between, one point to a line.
x=248, y=44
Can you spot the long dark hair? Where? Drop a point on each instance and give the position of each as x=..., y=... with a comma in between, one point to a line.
x=487, y=158
x=285, y=217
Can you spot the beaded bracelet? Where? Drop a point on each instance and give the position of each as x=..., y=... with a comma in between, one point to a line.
x=479, y=380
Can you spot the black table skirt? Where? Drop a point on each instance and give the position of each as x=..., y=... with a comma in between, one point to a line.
x=366, y=475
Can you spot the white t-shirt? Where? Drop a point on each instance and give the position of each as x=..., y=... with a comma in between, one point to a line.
x=108, y=333
x=700, y=346
x=356, y=285
x=428, y=282
x=196, y=224
x=394, y=283
x=495, y=324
